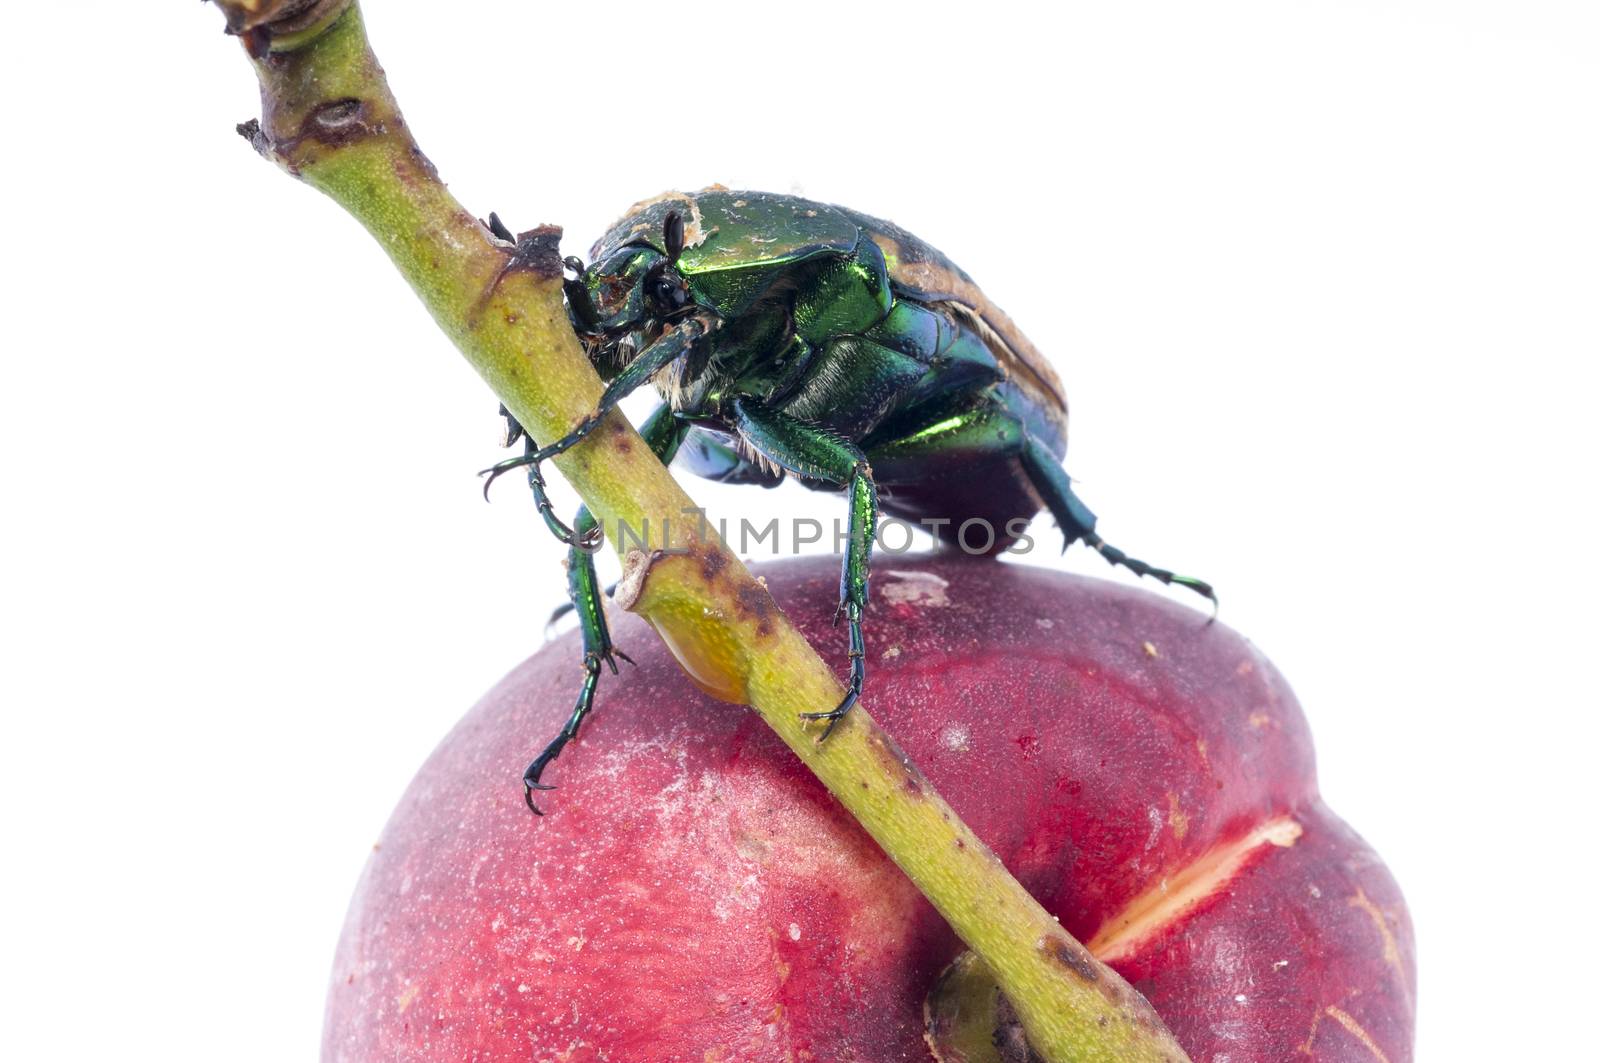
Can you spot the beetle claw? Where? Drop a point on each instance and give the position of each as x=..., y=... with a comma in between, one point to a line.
x=609, y=657
x=531, y=783
x=527, y=795
x=500, y=468
x=834, y=715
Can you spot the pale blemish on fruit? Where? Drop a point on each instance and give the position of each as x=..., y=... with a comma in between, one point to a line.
x=794, y=931
x=925, y=589
x=1150, y=650
x=1177, y=817
x=1157, y=821
x=1044, y=623
x=725, y=833
x=750, y=847
x=891, y=653
x=745, y=896
x=956, y=738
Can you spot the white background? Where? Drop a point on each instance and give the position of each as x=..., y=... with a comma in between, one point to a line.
x=1320, y=277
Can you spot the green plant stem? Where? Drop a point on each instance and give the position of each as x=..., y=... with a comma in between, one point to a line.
x=329, y=119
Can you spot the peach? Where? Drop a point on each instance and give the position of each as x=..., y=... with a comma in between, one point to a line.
x=694, y=894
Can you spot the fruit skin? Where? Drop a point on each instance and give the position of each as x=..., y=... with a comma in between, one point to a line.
x=694, y=894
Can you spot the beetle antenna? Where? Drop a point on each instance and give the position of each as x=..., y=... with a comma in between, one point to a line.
x=672, y=232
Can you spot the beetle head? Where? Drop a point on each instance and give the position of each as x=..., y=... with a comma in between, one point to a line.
x=626, y=299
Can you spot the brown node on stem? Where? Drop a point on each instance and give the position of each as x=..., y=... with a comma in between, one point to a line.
x=331, y=124
x=896, y=762
x=261, y=22
x=537, y=251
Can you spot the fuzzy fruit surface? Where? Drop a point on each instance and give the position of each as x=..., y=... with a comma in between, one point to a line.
x=695, y=894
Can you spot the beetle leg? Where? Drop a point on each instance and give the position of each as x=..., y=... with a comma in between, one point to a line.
x=858, y=675
x=662, y=433
x=817, y=454
x=566, y=607
x=583, y=588
x=530, y=777
x=1078, y=522
x=660, y=354
x=536, y=482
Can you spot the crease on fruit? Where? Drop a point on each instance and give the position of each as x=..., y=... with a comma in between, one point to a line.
x=1350, y=1025
x=1175, y=897
x=1391, y=948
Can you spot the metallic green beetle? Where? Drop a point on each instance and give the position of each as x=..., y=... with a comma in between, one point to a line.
x=795, y=338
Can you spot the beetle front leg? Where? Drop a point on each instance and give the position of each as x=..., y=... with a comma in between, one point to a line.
x=813, y=453
x=1077, y=521
x=660, y=354
x=536, y=484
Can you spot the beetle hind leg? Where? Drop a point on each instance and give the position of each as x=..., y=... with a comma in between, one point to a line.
x=1114, y=556
x=1077, y=522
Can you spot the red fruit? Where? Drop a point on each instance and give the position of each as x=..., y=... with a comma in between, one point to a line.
x=694, y=894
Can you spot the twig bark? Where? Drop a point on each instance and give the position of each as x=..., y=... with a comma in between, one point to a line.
x=329, y=119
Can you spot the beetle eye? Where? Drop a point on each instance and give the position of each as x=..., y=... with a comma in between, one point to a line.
x=668, y=292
